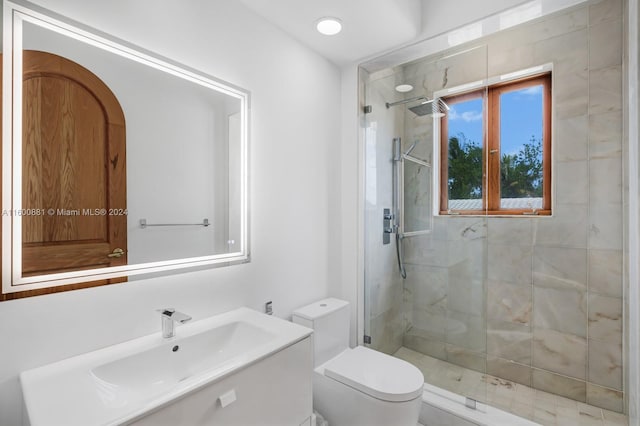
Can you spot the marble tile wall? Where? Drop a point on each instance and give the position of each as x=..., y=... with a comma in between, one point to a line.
x=445, y=291
x=535, y=300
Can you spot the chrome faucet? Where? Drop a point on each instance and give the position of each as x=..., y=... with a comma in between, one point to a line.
x=169, y=317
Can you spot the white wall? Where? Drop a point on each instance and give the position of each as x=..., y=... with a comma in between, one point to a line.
x=295, y=197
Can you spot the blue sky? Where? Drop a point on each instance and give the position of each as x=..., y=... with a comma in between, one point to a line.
x=521, y=117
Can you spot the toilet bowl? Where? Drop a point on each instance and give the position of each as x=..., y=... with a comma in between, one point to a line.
x=357, y=386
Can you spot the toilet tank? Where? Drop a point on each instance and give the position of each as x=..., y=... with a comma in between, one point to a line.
x=329, y=319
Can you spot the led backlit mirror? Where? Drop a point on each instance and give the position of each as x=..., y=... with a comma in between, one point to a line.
x=115, y=162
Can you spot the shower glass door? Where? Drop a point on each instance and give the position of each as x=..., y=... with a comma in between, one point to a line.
x=436, y=317
x=384, y=294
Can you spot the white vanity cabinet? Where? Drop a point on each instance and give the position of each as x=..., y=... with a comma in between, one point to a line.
x=275, y=391
x=240, y=367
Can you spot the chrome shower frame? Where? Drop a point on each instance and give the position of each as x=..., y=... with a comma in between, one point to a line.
x=395, y=218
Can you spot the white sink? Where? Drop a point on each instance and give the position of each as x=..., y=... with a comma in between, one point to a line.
x=121, y=383
x=158, y=369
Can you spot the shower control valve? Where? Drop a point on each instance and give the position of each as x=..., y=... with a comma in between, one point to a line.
x=387, y=226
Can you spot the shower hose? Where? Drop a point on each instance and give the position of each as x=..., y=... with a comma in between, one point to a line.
x=400, y=255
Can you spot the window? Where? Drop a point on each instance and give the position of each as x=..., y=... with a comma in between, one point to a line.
x=495, y=151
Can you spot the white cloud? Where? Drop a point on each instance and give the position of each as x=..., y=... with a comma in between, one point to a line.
x=533, y=90
x=467, y=116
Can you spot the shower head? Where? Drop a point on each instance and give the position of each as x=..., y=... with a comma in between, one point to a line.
x=435, y=107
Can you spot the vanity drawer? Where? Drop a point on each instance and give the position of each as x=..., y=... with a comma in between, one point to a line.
x=273, y=391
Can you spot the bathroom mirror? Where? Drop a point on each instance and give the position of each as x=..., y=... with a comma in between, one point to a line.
x=116, y=162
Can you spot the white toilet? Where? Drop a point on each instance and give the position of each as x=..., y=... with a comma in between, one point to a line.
x=359, y=386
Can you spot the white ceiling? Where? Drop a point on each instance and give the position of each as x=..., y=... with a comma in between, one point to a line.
x=374, y=27
x=369, y=26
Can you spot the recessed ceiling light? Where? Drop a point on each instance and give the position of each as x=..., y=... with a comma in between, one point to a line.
x=403, y=88
x=329, y=26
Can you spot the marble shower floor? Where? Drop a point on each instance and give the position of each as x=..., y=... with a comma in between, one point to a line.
x=541, y=407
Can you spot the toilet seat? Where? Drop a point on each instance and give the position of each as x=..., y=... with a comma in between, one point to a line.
x=376, y=374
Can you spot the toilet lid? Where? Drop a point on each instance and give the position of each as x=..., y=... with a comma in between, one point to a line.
x=376, y=374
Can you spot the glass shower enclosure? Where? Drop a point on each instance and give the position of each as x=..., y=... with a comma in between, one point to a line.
x=425, y=273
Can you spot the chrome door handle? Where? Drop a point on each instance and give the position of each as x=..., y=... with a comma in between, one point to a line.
x=117, y=252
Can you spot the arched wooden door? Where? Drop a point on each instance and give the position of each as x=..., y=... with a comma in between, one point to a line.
x=74, y=169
